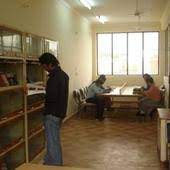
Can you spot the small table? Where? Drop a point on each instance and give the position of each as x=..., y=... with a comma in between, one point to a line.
x=28, y=166
x=162, y=142
x=123, y=97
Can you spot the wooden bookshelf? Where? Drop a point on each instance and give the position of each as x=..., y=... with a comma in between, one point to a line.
x=19, y=56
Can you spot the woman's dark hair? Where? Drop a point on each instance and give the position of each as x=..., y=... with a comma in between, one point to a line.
x=150, y=80
x=48, y=58
x=101, y=77
x=147, y=75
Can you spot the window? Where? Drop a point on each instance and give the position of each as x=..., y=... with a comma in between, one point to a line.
x=128, y=53
x=135, y=53
x=151, y=53
x=105, y=54
x=120, y=53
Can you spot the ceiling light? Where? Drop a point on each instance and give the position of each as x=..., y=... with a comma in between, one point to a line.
x=101, y=19
x=86, y=3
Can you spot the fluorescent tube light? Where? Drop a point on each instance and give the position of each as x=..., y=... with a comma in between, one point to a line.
x=86, y=3
x=101, y=19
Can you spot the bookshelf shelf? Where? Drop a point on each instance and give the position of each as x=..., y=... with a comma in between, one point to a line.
x=36, y=60
x=34, y=106
x=37, y=132
x=11, y=58
x=11, y=147
x=8, y=119
x=37, y=154
x=34, y=109
x=10, y=88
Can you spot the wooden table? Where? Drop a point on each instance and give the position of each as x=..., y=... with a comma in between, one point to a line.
x=123, y=97
x=162, y=140
x=43, y=167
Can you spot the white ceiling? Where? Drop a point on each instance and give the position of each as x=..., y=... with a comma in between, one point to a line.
x=121, y=11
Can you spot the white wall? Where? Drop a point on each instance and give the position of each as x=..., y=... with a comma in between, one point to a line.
x=56, y=20
x=130, y=27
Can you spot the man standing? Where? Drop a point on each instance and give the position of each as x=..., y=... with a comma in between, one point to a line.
x=55, y=107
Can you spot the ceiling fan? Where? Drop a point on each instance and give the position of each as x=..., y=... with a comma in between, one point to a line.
x=137, y=12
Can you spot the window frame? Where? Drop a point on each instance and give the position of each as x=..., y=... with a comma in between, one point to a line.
x=127, y=74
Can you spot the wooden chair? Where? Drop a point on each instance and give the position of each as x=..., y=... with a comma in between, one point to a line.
x=81, y=103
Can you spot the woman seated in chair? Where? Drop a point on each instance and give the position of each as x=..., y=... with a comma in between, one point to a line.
x=151, y=98
x=93, y=92
x=146, y=77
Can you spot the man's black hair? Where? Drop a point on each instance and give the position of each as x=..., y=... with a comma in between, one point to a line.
x=48, y=58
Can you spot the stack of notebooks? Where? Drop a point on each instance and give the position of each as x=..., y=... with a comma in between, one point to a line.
x=8, y=79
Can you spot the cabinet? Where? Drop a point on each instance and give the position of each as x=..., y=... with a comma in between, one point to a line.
x=163, y=134
x=21, y=112
x=167, y=66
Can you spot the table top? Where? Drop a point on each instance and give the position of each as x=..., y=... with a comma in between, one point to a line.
x=164, y=113
x=125, y=91
x=43, y=167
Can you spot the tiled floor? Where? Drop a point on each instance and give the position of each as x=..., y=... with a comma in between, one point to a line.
x=118, y=143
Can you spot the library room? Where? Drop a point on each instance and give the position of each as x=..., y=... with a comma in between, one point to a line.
x=84, y=84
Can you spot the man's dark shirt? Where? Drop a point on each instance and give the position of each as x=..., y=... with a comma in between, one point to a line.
x=57, y=93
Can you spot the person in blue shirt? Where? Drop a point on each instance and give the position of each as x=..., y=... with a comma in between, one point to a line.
x=94, y=90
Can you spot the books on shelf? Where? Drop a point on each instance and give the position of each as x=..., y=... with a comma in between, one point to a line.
x=3, y=80
x=8, y=79
x=3, y=165
x=35, y=88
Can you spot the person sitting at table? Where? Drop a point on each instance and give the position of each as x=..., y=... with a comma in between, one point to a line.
x=146, y=77
x=151, y=98
x=94, y=90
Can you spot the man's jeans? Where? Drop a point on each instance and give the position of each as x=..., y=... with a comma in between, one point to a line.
x=52, y=126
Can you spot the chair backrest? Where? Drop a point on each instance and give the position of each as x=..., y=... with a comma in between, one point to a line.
x=162, y=91
x=85, y=91
x=77, y=96
x=82, y=93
